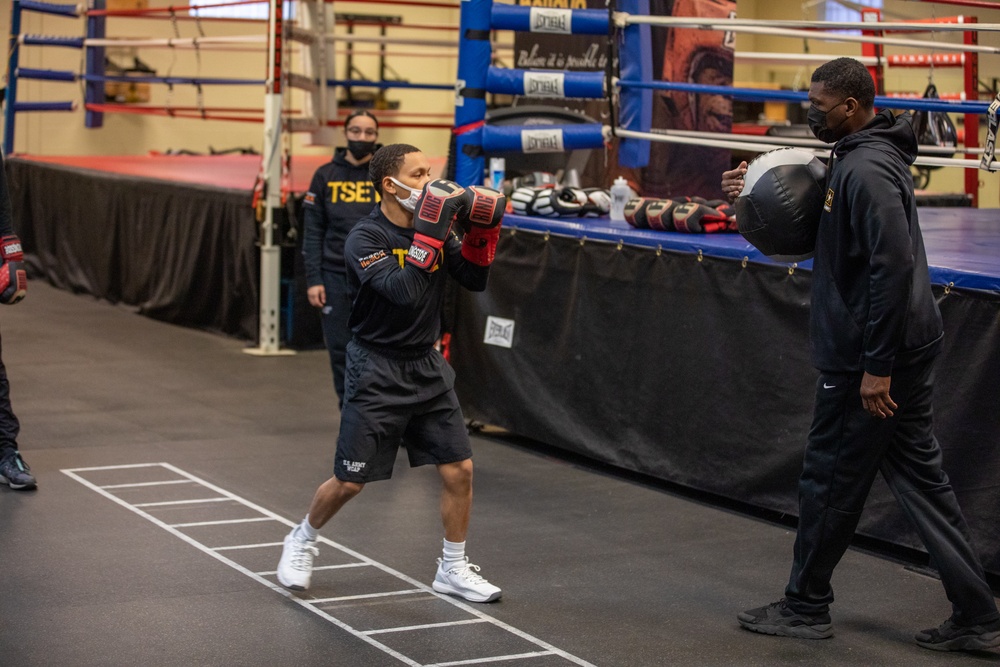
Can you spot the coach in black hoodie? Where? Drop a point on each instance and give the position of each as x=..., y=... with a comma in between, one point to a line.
x=341, y=193
x=874, y=330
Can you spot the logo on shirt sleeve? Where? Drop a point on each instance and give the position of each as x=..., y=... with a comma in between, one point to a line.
x=828, y=204
x=373, y=258
x=310, y=198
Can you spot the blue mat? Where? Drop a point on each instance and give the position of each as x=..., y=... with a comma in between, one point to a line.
x=963, y=244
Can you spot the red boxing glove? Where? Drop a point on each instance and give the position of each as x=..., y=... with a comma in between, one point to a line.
x=482, y=224
x=484, y=207
x=13, y=278
x=435, y=213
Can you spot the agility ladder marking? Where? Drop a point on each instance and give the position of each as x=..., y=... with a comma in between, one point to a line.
x=311, y=604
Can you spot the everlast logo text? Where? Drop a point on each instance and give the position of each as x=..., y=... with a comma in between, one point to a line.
x=542, y=141
x=542, y=87
x=543, y=144
x=550, y=22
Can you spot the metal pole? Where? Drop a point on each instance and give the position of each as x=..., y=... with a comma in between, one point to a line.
x=269, y=331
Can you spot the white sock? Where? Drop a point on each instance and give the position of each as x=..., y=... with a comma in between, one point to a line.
x=305, y=531
x=453, y=551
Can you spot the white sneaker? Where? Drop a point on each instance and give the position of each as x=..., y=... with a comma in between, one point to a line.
x=462, y=579
x=296, y=564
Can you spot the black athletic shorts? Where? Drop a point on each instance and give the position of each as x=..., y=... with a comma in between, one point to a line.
x=392, y=398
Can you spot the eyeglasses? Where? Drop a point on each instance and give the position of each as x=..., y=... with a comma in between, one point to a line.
x=359, y=132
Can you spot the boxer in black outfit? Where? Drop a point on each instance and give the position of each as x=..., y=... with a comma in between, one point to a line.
x=397, y=386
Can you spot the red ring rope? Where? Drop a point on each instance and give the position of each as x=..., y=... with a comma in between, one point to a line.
x=407, y=3
x=179, y=12
x=212, y=113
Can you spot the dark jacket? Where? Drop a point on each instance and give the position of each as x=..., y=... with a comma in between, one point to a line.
x=340, y=194
x=872, y=306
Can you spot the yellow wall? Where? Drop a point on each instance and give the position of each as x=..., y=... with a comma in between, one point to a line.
x=65, y=134
x=896, y=79
x=54, y=133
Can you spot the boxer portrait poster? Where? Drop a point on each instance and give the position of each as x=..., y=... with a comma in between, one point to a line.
x=686, y=55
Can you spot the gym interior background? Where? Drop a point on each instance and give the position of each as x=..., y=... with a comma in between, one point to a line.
x=65, y=134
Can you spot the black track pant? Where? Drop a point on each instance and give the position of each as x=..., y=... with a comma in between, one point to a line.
x=9, y=426
x=846, y=448
x=334, y=319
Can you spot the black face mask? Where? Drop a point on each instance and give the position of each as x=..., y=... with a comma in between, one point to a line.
x=817, y=124
x=360, y=149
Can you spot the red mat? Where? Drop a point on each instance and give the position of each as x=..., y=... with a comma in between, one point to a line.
x=232, y=172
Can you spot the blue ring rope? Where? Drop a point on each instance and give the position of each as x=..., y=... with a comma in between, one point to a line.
x=761, y=95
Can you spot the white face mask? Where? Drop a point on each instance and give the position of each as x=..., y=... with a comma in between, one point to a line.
x=410, y=203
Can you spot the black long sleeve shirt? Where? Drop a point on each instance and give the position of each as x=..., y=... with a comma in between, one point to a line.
x=395, y=304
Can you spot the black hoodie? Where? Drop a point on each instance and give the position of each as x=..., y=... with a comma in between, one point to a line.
x=872, y=306
x=340, y=194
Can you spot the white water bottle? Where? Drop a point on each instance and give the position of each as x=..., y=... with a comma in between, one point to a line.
x=620, y=193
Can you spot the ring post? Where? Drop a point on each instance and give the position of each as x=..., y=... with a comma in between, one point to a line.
x=635, y=107
x=94, y=64
x=270, y=254
x=10, y=99
x=971, y=122
x=474, y=54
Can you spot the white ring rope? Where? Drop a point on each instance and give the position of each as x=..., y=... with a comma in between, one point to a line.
x=622, y=19
x=389, y=40
x=763, y=147
x=925, y=149
x=799, y=58
x=172, y=42
x=723, y=25
x=223, y=42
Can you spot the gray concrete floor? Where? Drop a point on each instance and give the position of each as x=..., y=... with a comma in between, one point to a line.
x=609, y=571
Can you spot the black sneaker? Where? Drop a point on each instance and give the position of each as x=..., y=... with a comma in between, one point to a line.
x=777, y=619
x=952, y=637
x=14, y=472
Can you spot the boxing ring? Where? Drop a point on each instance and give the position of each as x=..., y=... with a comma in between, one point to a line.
x=682, y=357
x=106, y=234
x=294, y=100
x=685, y=358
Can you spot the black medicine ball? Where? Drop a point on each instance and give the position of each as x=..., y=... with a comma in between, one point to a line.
x=779, y=208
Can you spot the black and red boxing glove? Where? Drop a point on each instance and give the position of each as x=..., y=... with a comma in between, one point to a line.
x=435, y=213
x=725, y=210
x=13, y=278
x=484, y=207
x=705, y=218
x=659, y=214
x=635, y=212
x=481, y=222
